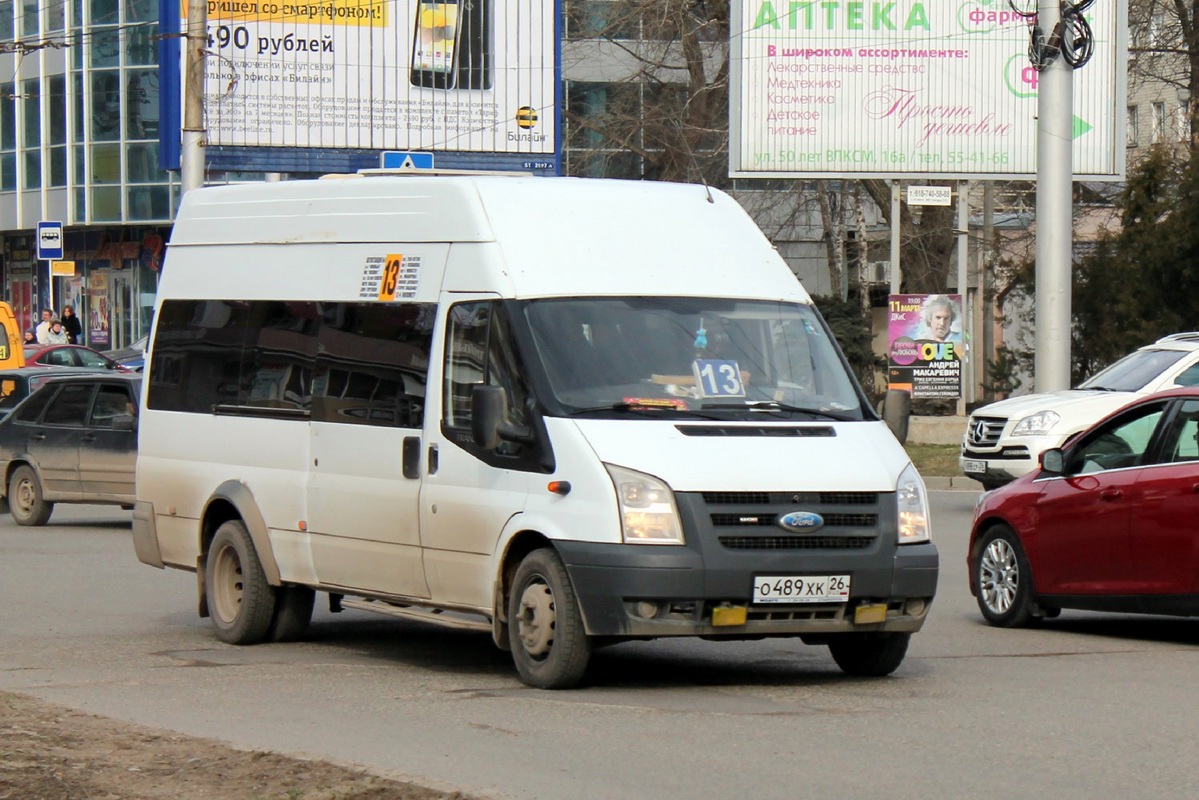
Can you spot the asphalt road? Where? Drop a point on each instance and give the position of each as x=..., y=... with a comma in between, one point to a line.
x=1088, y=706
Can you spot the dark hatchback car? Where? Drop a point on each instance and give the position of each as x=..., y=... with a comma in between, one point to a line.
x=17, y=384
x=1108, y=522
x=74, y=440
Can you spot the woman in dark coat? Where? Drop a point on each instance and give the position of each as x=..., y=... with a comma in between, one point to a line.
x=72, y=325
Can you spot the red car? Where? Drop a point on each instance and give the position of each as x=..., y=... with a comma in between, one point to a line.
x=1108, y=522
x=68, y=355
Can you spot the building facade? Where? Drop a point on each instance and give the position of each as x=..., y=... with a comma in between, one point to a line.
x=79, y=111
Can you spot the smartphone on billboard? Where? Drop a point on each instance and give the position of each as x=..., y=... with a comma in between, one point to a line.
x=451, y=45
x=435, y=44
x=474, y=45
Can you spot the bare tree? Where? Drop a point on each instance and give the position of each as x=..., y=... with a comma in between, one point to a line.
x=664, y=116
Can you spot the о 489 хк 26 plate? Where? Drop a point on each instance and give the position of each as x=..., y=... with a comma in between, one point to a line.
x=801, y=589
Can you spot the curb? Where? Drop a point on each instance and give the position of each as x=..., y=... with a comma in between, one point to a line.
x=956, y=483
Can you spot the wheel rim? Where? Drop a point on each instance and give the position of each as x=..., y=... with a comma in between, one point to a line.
x=24, y=497
x=999, y=576
x=535, y=619
x=227, y=585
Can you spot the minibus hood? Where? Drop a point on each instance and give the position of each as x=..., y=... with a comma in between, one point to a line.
x=699, y=455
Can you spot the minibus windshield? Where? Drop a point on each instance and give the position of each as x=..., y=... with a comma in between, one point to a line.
x=666, y=356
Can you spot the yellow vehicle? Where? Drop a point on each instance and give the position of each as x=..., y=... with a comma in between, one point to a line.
x=12, y=349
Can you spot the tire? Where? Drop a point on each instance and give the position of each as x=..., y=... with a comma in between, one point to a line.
x=293, y=612
x=1003, y=580
x=869, y=655
x=25, y=501
x=545, y=628
x=240, y=601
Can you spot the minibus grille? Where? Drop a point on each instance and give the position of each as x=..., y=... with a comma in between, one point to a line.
x=768, y=520
x=784, y=498
x=796, y=542
x=750, y=520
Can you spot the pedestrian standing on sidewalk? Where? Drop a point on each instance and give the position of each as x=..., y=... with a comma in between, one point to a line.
x=43, y=328
x=56, y=335
x=72, y=325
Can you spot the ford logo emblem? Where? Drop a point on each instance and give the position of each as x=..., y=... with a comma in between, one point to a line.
x=800, y=521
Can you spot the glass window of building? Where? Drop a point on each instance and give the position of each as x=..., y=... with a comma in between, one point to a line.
x=106, y=47
x=27, y=19
x=103, y=12
x=6, y=28
x=106, y=105
x=141, y=104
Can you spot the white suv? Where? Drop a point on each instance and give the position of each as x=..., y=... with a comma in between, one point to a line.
x=1003, y=440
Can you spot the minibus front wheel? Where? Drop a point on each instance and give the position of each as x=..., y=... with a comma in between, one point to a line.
x=240, y=601
x=545, y=628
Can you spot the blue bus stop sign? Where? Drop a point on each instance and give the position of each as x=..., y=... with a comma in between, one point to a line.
x=49, y=241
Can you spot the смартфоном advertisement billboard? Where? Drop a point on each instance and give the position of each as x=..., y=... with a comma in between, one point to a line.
x=476, y=75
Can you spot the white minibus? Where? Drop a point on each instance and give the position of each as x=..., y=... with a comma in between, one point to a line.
x=566, y=412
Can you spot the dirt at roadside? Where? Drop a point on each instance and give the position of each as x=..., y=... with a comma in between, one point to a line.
x=49, y=752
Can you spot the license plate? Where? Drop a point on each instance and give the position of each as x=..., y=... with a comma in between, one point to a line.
x=801, y=589
x=974, y=466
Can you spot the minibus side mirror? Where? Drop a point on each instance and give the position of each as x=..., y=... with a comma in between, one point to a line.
x=488, y=407
x=488, y=412
x=1053, y=462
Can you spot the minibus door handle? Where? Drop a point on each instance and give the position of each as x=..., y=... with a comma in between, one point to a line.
x=432, y=459
x=411, y=457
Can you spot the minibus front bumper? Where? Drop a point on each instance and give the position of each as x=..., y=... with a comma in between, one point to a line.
x=705, y=587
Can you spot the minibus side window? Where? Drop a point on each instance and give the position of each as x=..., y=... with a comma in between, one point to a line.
x=197, y=355
x=480, y=350
x=279, y=353
x=373, y=363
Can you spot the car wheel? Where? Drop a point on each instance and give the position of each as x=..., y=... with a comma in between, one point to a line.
x=869, y=655
x=545, y=628
x=240, y=601
x=1003, y=580
x=25, y=500
x=293, y=613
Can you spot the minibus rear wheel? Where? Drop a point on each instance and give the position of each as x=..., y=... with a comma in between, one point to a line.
x=545, y=628
x=240, y=601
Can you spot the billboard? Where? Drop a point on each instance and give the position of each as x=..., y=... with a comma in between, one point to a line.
x=924, y=353
x=899, y=88
x=476, y=77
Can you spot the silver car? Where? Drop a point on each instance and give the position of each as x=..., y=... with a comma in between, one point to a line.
x=74, y=440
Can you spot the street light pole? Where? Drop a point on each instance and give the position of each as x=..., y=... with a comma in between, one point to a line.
x=191, y=156
x=1055, y=172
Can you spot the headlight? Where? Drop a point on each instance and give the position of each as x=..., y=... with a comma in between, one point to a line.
x=913, y=507
x=1038, y=424
x=647, y=512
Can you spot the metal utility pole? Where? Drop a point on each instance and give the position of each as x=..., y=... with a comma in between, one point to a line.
x=1055, y=172
x=986, y=283
x=191, y=157
x=895, y=211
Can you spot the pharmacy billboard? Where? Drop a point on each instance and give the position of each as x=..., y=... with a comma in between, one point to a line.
x=895, y=88
x=477, y=76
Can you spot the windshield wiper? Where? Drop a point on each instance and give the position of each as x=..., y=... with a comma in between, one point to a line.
x=770, y=405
